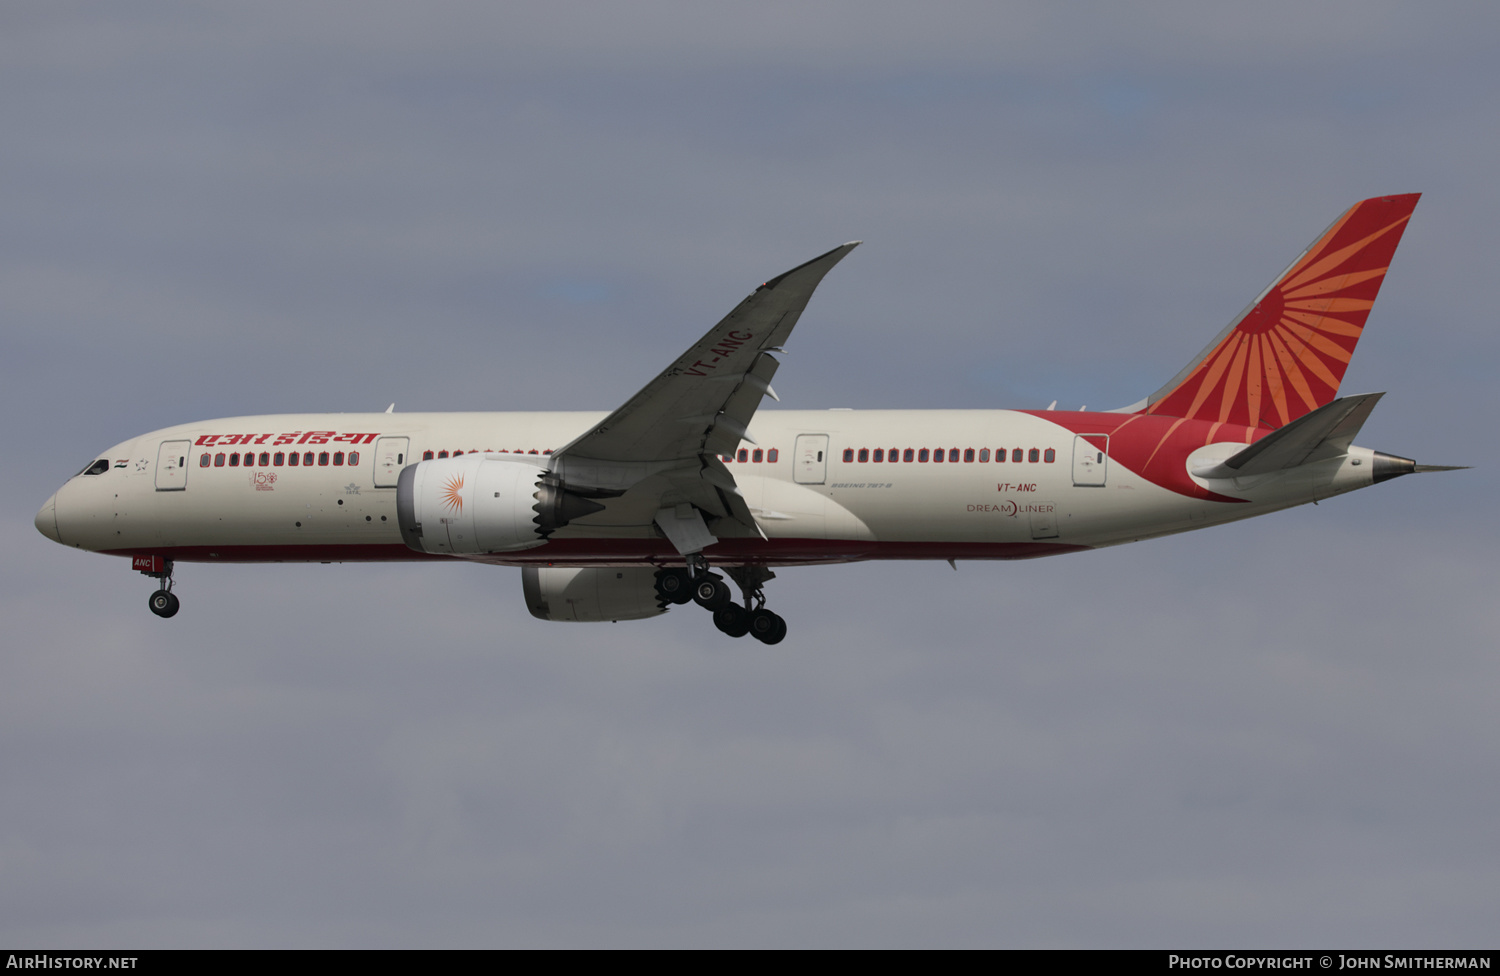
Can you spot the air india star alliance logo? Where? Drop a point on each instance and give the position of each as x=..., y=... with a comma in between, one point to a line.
x=452, y=493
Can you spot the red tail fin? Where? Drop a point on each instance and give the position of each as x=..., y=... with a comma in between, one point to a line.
x=1286, y=354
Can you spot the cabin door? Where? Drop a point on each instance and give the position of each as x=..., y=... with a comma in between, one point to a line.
x=171, y=465
x=812, y=459
x=390, y=458
x=1090, y=459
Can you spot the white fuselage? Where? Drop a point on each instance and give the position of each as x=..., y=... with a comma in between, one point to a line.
x=227, y=490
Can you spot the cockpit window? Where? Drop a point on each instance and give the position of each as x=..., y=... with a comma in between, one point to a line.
x=98, y=467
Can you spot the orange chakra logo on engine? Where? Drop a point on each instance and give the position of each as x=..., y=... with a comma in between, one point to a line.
x=452, y=496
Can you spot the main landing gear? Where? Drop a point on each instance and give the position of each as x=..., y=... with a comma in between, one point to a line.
x=697, y=584
x=164, y=602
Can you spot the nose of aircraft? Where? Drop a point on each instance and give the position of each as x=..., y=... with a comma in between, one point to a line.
x=46, y=520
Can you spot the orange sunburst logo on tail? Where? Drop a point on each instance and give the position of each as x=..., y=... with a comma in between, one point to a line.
x=451, y=493
x=1287, y=355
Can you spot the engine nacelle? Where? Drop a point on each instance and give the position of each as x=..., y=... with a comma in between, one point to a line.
x=554, y=593
x=470, y=504
x=478, y=503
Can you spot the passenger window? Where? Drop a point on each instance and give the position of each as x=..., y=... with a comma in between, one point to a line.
x=756, y=455
x=265, y=459
x=726, y=458
x=937, y=456
x=323, y=459
x=968, y=455
x=1033, y=455
x=744, y=455
x=203, y=461
x=293, y=459
x=922, y=455
x=906, y=455
x=442, y=454
x=879, y=454
x=864, y=455
x=277, y=459
x=1049, y=455
x=848, y=455
x=338, y=459
x=984, y=455
x=234, y=459
x=427, y=455
x=307, y=460
x=1000, y=454
x=953, y=455
x=772, y=455
x=354, y=459
x=1016, y=455
x=218, y=460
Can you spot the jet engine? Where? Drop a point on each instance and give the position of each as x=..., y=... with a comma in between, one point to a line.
x=480, y=503
x=554, y=593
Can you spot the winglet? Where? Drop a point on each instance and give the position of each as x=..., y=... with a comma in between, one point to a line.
x=1286, y=354
x=837, y=254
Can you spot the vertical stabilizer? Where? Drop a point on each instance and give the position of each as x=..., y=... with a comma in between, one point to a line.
x=1286, y=354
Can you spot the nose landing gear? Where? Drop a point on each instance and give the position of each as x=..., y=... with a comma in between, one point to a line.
x=163, y=602
x=707, y=589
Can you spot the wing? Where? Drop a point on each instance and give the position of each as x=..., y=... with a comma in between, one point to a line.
x=665, y=437
x=703, y=402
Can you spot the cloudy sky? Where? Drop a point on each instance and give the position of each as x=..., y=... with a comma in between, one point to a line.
x=1280, y=733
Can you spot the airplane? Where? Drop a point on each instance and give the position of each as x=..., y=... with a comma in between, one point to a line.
x=625, y=515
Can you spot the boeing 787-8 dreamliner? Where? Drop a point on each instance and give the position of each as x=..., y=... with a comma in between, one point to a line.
x=619, y=516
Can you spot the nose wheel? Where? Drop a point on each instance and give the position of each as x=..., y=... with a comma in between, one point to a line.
x=708, y=589
x=163, y=602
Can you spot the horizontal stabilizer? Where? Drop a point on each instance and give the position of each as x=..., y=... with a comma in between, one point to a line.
x=1325, y=433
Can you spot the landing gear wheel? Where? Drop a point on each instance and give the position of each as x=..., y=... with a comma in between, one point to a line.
x=733, y=620
x=711, y=593
x=164, y=603
x=767, y=627
x=673, y=586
